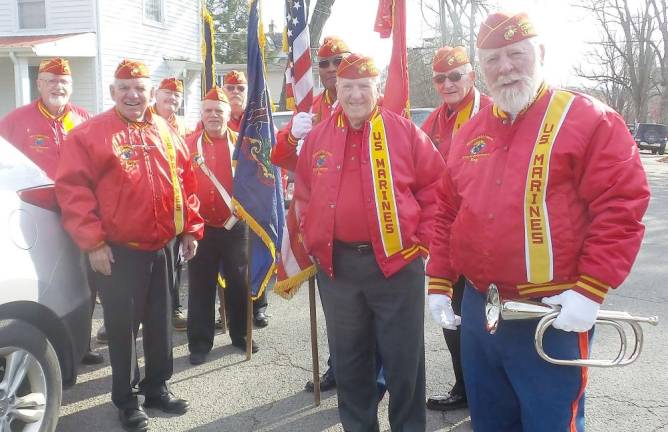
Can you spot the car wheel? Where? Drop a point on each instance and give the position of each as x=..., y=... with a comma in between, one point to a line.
x=654, y=151
x=30, y=383
x=662, y=149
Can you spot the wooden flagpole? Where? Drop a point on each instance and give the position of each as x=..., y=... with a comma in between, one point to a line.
x=314, y=340
x=249, y=304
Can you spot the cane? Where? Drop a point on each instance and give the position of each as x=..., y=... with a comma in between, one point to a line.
x=314, y=341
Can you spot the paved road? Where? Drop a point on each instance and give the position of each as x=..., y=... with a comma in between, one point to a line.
x=266, y=394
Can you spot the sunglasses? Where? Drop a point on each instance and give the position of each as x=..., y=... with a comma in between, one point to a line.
x=452, y=76
x=232, y=87
x=336, y=61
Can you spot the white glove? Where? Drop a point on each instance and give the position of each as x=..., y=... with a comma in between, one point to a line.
x=441, y=311
x=302, y=123
x=578, y=313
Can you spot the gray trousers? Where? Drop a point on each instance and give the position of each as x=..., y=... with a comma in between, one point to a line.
x=365, y=311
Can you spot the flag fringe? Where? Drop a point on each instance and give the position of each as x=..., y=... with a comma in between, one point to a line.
x=287, y=288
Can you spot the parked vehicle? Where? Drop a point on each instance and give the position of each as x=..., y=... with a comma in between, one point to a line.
x=44, y=301
x=651, y=136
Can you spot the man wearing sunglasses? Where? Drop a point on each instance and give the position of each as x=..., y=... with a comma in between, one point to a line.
x=454, y=81
x=330, y=54
x=235, y=86
x=285, y=152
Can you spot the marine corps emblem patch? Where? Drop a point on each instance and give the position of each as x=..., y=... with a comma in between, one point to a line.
x=478, y=147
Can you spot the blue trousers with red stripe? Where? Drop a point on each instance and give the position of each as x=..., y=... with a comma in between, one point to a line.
x=508, y=386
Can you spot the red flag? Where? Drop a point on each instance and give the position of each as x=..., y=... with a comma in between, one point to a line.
x=391, y=19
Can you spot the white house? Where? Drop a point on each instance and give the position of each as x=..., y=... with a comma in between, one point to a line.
x=95, y=35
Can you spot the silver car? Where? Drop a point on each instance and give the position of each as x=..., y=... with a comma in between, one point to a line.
x=44, y=301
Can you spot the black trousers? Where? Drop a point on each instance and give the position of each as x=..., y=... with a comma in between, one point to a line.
x=453, y=339
x=174, y=267
x=137, y=293
x=230, y=248
x=365, y=312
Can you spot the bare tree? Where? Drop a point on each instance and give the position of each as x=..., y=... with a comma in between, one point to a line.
x=622, y=60
x=455, y=22
x=661, y=50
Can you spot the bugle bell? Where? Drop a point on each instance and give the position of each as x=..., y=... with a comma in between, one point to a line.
x=497, y=310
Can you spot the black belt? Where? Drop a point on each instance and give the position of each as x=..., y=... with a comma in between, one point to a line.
x=361, y=248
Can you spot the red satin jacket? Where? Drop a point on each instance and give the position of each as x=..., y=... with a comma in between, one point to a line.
x=114, y=184
x=442, y=127
x=537, y=220
x=416, y=168
x=40, y=135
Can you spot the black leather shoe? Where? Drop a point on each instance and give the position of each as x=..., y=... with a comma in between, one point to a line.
x=197, y=358
x=327, y=382
x=133, y=419
x=447, y=402
x=261, y=320
x=241, y=344
x=92, y=358
x=167, y=403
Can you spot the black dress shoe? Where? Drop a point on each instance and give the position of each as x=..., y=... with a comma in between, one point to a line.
x=327, y=382
x=448, y=402
x=167, y=403
x=261, y=320
x=133, y=419
x=197, y=358
x=92, y=358
x=241, y=344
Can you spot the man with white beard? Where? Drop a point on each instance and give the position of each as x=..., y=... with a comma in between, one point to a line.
x=566, y=241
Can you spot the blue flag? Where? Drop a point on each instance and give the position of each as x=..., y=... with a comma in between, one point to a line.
x=257, y=183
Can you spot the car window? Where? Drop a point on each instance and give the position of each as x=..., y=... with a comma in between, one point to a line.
x=419, y=115
x=281, y=119
x=17, y=171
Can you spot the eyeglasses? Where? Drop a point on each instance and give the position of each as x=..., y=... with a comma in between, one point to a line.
x=232, y=87
x=452, y=76
x=57, y=81
x=336, y=61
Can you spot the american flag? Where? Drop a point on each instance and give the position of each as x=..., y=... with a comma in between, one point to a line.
x=298, y=74
x=295, y=265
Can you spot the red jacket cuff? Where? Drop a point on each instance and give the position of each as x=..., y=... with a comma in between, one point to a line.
x=591, y=288
x=439, y=286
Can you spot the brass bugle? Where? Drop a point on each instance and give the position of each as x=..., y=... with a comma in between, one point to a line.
x=497, y=310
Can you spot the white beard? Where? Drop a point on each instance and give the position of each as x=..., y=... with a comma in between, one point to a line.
x=59, y=101
x=514, y=100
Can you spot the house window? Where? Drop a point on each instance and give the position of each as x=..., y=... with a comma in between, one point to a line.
x=153, y=10
x=32, y=14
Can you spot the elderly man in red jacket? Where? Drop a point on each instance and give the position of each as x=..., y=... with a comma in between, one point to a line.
x=39, y=128
x=126, y=188
x=224, y=245
x=168, y=101
x=454, y=81
x=543, y=196
x=365, y=196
